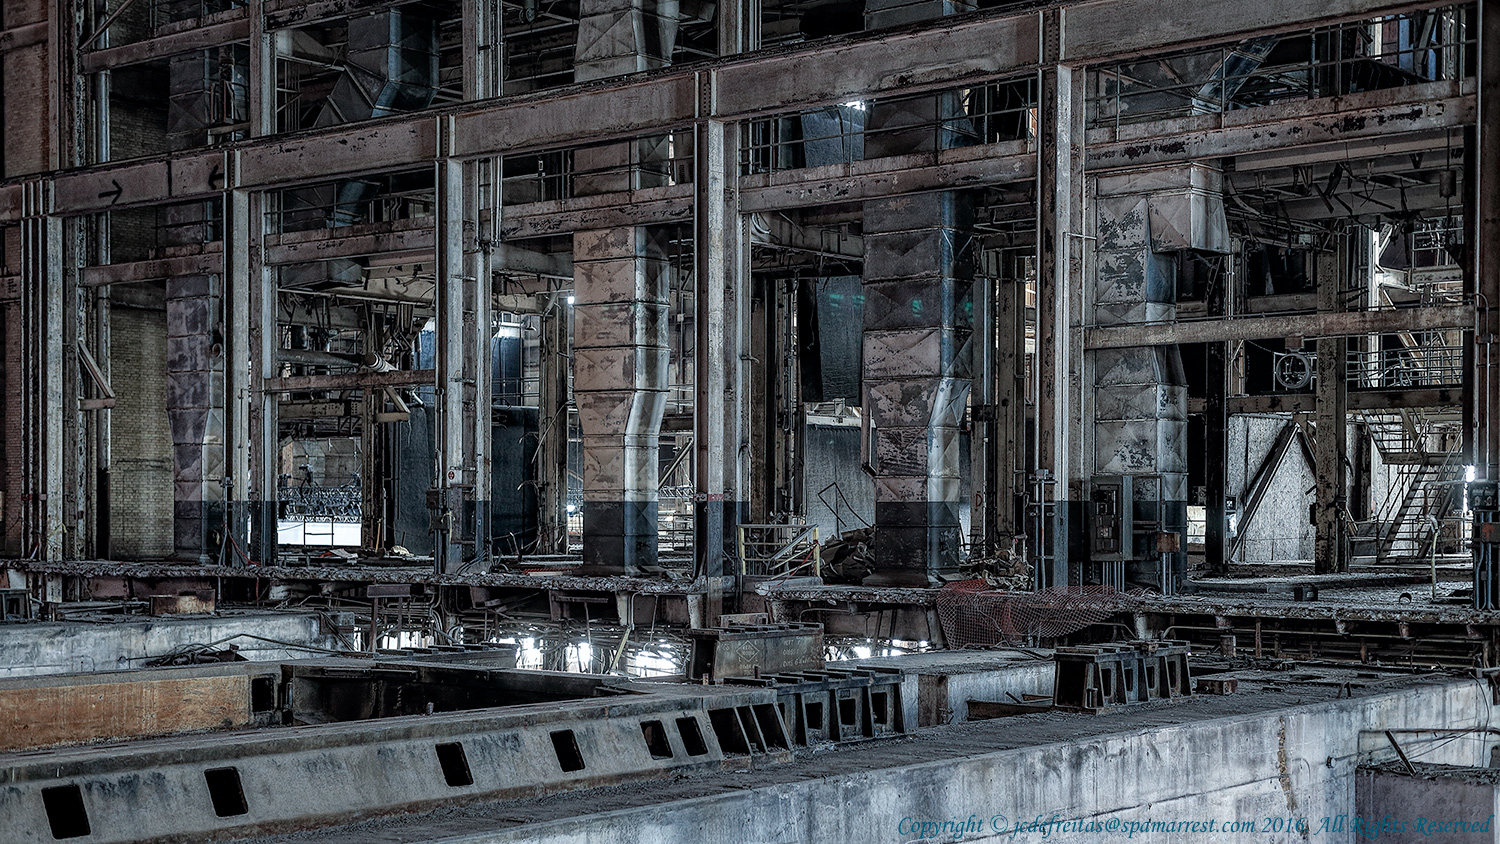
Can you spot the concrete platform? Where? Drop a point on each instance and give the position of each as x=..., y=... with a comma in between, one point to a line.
x=1281, y=747
x=122, y=642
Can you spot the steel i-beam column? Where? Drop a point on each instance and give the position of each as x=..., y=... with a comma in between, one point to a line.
x=1331, y=448
x=918, y=322
x=1482, y=408
x=262, y=414
x=1060, y=181
x=464, y=332
x=42, y=400
x=710, y=269
x=552, y=448
x=240, y=288
x=722, y=275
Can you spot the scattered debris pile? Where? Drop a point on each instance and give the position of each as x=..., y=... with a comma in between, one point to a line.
x=974, y=614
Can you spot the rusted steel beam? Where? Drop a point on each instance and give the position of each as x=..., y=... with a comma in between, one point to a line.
x=1376, y=115
x=352, y=381
x=651, y=206
x=224, y=28
x=989, y=164
x=368, y=574
x=1358, y=400
x=26, y=35
x=207, y=262
x=959, y=53
x=1341, y=324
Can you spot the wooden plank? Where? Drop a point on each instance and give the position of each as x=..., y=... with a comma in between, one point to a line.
x=54, y=714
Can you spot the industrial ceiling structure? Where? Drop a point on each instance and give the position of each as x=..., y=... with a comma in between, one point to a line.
x=760, y=382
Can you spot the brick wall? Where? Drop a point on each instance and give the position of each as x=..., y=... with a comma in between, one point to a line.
x=141, y=443
x=137, y=112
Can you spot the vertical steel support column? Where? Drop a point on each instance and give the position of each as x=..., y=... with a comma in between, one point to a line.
x=1481, y=408
x=552, y=447
x=1216, y=440
x=1005, y=464
x=1060, y=184
x=43, y=408
x=483, y=23
x=739, y=26
x=261, y=72
x=241, y=438
x=75, y=500
x=1484, y=410
x=263, y=413
x=463, y=373
x=718, y=266
x=1331, y=477
x=102, y=340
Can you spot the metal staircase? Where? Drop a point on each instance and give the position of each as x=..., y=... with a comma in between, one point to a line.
x=1422, y=502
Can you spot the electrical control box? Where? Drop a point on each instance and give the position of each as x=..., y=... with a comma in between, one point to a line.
x=1484, y=496
x=1110, y=523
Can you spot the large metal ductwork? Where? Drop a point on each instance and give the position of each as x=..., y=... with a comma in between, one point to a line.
x=620, y=341
x=1139, y=431
x=620, y=355
x=391, y=66
x=918, y=320
x=619, y=37
x=195, y=393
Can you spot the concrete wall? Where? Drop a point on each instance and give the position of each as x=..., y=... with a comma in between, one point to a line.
x=1399, y=808
x=1297, y=762
x=72, y=646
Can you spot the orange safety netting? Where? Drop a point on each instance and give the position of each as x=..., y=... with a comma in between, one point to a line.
x=975, y=614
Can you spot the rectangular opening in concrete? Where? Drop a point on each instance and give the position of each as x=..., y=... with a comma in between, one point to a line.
x=391, y=690
x=692, y=736
x=753, y=738
x=813, y=715
x=226, y=792
x=879, y=711
x=262, y=694
x=848, y=712
x=565, y=745
x=455, y=764
x=768, y=718
x=731, y=736
x=65, y=811
x=656, y=739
